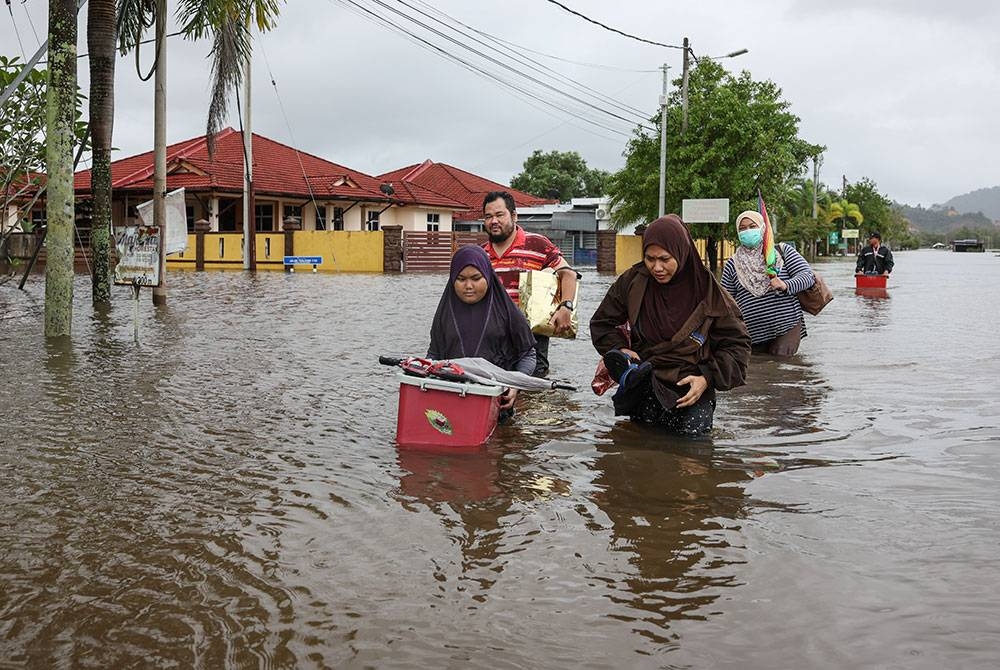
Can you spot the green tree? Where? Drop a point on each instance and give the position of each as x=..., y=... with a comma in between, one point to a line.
x=60, y=141
x=741, y=137
x=561, y=174
x=22, y=145
x=875, y=206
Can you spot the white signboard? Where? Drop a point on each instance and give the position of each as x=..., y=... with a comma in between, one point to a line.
x=705, y=210
x=138, y=256
x=850, y=234
x=177, y=234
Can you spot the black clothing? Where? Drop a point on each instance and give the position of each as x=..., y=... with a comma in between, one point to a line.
x=875, y=262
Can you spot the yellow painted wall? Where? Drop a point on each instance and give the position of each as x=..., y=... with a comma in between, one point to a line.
x=628, y=251
x=342, y=250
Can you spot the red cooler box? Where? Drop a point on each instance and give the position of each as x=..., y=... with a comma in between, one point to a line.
x=869, y=281
x=435, y=412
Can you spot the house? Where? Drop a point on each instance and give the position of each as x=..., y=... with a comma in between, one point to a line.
x=467, y=188
x=572, y=226
x=319, y=194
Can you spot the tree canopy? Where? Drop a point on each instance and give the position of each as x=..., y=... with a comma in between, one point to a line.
x=741, y=137
x=559, y=174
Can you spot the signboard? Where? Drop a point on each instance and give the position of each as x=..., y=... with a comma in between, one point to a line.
x=850, y=233
x=175, y=206
x=138, y=256
x=292, y=261
x=705, y=210
x=834, y=237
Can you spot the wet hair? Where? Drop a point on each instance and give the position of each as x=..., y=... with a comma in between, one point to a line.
x=875, y=234
x=507, y=198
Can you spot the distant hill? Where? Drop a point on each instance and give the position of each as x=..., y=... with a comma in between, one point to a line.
x=985, y=200
x=942, y=220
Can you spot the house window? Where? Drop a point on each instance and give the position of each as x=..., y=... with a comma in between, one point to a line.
x=338, y=218
x=38, y=218
x=291, y=211
x=227, y=219
x=433, y=222
x=372, y=221
x=189, y=215
x=320, y=216
x=264, y=217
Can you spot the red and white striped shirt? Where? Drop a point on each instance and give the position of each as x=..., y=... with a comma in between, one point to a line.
x=529, y=251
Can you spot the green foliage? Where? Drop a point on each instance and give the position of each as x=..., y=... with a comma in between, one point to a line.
x=842, y=210
x=875, y=207
x=22, y=137
x=740, y=137
x=559, y=172
x=22, y=119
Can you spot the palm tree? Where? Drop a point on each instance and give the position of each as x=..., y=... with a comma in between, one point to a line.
x=60, y=135
x=227, y=22
x=842, y=210
x=101, y=40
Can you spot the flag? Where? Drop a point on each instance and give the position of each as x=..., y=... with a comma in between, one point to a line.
x=770, y=254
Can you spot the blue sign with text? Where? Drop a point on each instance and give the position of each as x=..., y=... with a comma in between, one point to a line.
x=303, y=260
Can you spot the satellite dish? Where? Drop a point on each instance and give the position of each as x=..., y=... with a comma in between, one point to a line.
x=387, y=188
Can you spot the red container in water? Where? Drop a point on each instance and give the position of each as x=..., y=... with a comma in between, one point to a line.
x=439, y=413
x=870, y=281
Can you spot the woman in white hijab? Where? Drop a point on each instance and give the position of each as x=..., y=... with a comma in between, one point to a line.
x=766, y=296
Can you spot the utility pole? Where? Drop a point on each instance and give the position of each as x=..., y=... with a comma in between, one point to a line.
x=160, y=147
x=684, y=87
x=815, y=205
x=249, y=211
x=663, y=144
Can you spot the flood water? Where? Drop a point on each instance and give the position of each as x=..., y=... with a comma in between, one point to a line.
x=228, y=493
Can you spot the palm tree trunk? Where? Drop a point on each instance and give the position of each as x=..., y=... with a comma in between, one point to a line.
x=101, y=40
x=60, y=139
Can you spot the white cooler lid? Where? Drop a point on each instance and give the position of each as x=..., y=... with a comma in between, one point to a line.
x=432, y=384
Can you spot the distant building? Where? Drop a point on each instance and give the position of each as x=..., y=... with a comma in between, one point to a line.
x=457, y=184
x=320, y=194
x=573, y=226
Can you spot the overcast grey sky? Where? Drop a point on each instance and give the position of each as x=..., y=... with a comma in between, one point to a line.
x=902, y=91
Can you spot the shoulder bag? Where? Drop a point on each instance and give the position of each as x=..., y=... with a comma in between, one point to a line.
x=814, y=298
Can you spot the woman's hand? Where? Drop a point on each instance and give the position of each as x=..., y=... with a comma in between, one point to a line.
x=507, y=398
x=778, y=285
x=698, y=386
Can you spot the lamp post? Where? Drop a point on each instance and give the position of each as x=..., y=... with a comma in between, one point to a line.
x=661, y=210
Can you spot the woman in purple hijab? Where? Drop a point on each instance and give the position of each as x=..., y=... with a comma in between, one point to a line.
x=475, y=318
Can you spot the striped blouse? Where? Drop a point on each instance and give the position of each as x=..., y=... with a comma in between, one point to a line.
x=774, y=313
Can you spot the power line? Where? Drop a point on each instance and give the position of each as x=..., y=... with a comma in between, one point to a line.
x=501, y=64
x=614, y=30
x=368, y=14
x=534, y=64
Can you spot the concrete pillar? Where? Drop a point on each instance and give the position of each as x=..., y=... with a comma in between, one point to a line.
x=289, y=226
x=606, y=250
x=392, y=249
x=201, y=226
x=213, y=214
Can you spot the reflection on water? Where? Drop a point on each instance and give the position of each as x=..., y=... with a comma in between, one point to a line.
x=228, y=493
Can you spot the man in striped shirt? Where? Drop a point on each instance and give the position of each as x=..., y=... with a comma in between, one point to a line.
x=513, y=250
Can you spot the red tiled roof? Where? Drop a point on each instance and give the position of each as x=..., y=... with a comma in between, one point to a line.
x=456, y=184
x=278, y=170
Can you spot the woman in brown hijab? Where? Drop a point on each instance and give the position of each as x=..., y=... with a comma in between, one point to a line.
x=686, y=339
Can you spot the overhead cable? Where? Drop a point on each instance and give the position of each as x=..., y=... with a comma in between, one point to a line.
x=614, y=30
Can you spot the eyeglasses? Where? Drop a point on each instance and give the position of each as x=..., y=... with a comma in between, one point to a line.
x=498, y=217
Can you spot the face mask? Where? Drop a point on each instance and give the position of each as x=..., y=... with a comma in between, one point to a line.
x=751, y=237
